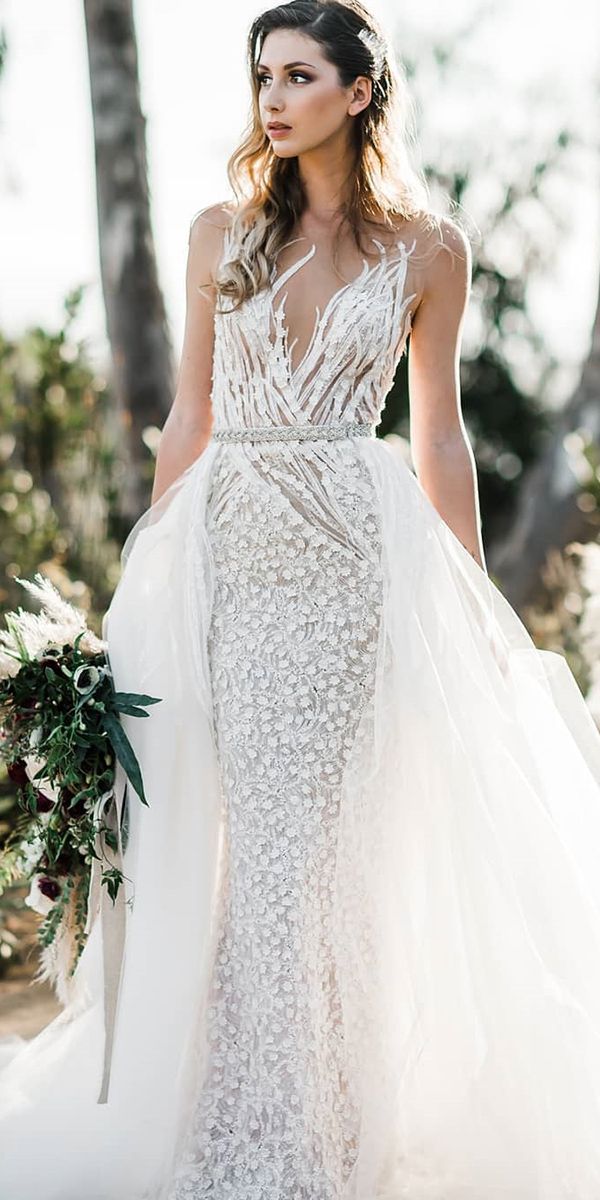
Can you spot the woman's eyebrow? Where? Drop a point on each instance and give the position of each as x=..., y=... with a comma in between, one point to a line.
x=262, y=67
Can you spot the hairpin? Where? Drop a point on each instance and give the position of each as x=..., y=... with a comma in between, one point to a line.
x=373, y=44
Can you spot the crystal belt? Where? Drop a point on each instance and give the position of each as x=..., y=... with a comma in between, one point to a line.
x=294, y=433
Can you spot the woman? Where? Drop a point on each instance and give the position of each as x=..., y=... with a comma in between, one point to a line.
x=370, y=853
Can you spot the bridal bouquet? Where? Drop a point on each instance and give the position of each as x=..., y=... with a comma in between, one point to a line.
x=60, y=737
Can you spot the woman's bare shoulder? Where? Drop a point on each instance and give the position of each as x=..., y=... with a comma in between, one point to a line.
x=219, y=216
x=206, y=242
x=440, y=256
x=431, y=232
x=445, y=280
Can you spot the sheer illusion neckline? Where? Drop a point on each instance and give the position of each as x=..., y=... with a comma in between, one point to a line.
x=280, y=338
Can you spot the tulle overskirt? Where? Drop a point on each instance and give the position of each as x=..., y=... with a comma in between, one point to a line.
x=467, y=892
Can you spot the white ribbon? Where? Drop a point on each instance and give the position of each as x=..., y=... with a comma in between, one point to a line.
x=112, y=917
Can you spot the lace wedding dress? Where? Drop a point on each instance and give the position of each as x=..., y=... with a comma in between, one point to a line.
x=362, y=932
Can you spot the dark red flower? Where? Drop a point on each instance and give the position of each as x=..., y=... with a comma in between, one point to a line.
x=43, y=802
x=48, y=661
x=17, y=772
x=49, y=888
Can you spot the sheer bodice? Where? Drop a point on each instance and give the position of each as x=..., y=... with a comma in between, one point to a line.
x=339, y=383
x=346, y=369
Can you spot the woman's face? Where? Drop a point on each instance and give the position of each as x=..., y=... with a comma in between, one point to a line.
x=299, y=88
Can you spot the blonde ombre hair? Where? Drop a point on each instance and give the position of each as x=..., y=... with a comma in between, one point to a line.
x=383, y=187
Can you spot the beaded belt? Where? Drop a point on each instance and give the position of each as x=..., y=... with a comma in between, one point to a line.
x=295, y=433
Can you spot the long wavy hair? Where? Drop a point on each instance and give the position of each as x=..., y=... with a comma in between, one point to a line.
x=383, y=186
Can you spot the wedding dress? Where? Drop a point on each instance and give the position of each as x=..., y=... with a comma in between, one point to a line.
x=362, y=929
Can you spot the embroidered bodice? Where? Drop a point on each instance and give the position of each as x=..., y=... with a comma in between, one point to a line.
x=348, y=366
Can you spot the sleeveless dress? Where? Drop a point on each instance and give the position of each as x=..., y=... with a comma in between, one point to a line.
x=362, y=921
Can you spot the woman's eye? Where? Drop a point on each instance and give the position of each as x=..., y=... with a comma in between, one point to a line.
x=293, y=75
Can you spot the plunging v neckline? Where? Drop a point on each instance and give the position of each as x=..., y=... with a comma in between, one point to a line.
x=280, y=337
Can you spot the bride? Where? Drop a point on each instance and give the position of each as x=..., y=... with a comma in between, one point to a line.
x=369, y=861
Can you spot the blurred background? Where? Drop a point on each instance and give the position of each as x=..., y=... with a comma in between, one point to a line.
x=116, y=122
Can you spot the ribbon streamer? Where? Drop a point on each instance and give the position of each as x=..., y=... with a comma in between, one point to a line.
x=113, y=918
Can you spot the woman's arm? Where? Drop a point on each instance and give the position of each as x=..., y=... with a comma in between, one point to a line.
x=187, y=428
x=440, y=448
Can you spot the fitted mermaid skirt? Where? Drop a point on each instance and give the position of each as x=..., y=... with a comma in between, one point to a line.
x=292, y=653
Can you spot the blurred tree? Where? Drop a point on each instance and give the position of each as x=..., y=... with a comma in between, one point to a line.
x=559, y=501
x=142, y=366
x=506, y=176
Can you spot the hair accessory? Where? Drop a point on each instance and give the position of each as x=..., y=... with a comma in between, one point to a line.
x=374, y=44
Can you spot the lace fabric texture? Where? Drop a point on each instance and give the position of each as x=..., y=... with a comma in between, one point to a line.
x=292, y=650
x=371, y=840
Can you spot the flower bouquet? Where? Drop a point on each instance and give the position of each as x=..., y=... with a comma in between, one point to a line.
x=61, y=737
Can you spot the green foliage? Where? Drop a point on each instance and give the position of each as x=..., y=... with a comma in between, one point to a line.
x=61, y=708
x=57, y=500
x=56, y=466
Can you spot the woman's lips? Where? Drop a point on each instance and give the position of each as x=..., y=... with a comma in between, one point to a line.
x=278, y=132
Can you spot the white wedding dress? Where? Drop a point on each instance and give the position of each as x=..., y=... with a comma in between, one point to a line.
x=362, y=943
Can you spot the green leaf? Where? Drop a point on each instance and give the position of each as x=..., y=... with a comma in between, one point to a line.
x=112, y=880
x=125, y=753
x=134, y=698
x=131, y=710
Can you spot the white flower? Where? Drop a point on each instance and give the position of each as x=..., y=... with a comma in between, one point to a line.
x=37, y=900
x=90, y=644
x=57, y=624
x=85, y=678
x=9, y=666
x=52, y=604
x=31, y=852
